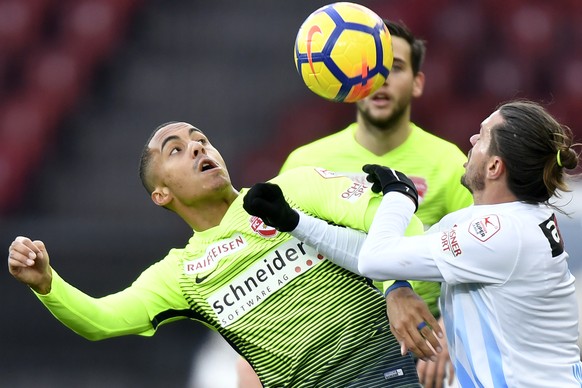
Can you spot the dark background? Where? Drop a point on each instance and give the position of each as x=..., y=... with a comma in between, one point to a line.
x=84, y=82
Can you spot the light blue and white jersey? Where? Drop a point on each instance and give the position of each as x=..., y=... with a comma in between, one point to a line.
x=508, y=297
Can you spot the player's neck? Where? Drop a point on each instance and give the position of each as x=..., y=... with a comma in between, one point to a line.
x=207, y=214
x=380, y=141
x=493, y=194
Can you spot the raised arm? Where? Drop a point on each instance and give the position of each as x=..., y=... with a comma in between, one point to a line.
x=386, y=253
x=118, y=314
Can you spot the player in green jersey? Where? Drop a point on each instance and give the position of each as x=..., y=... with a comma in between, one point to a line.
x=299, y=319
x=383, y=134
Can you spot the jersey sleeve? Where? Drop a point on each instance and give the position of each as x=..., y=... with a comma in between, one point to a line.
x=455, y=255
x=339, y=245
x=388, y=254
x=466, y=256
x=130, y=311
x=342, y=246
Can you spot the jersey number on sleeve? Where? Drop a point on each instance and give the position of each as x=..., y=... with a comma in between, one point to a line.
x=552, y=233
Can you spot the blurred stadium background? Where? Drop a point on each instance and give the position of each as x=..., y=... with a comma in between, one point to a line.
x=84, y=82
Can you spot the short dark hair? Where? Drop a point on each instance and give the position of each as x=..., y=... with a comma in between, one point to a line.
x=417, y=45
x=535, y=149
x=146, y=159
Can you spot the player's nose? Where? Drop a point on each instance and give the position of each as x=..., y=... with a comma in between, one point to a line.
x=195, y=148
x=473, y=139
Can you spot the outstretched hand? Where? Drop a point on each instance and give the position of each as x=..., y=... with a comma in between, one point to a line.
x=385, y=179
x=266, y=200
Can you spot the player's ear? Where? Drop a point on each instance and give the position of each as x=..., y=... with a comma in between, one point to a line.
x=161, y=196
x=495, y=167
x=418, y=84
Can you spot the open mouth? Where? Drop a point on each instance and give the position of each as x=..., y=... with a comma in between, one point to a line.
x=206, y=165
x=380, y=96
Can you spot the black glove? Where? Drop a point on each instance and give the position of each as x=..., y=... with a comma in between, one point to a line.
x=266, y=200
x=385, y=179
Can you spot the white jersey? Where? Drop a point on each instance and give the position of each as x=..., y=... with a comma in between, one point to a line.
x=507, y=297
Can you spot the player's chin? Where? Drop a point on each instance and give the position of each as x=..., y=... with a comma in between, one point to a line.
x=381, y=117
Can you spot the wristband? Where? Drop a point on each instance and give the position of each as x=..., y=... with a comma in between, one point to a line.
x=397, y=284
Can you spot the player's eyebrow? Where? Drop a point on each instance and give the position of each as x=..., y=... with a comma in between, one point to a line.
x=174, y=137
x=167, y=140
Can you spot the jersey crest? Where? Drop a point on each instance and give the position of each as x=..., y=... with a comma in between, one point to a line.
x=262, y=229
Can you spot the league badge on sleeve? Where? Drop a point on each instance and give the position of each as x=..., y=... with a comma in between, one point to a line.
x=485, y=227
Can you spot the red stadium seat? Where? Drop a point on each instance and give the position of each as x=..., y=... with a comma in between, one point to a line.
x=58, y=74
x=21, y=23
x=458, y=27
x=4, y=73
x=301, y=123
x=416, y=14
x=25, y=129
x=48, y=50
x=441, y=70
x=531, y=30
x=94, y=27
x=25, y=124
x=568, y=81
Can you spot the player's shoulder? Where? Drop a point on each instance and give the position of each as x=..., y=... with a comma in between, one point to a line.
x=162, y=272
x=509, y=216
x=305, y=174
x=172, y=258
x=309, y=184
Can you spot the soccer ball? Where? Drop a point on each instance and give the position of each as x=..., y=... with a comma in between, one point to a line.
x=343, y=52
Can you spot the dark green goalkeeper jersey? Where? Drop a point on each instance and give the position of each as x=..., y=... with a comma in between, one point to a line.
x=300, y=320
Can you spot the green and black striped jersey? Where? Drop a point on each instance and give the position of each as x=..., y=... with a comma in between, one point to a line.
x=299, y=319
